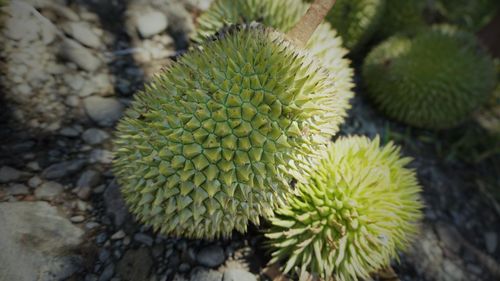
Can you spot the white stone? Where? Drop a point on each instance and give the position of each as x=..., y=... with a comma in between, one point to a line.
x=48, y=190
x=81, y=56
x=150, y=23
x=103, y=111
x=37, y=243
x=82, y=32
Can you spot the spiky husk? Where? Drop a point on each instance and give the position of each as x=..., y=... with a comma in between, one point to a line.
x=433, y=80
x=213, y=141
x=358, y=207
x=471, y=15
x=356, y=20
x=282, y=15
x=401, y=16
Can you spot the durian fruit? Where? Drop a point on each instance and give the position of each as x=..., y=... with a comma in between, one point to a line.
x=401, y=16
x=282, y=15
x=356, y=20
x=213, y=142
x=471, y=15
x=433, y=80
x=358, y=207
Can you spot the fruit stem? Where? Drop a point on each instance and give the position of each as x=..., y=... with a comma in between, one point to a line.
x=303, y=30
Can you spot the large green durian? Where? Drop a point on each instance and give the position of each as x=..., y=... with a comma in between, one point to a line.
x=401, y=16
x=432, y=80
x=356, y=20
x=214, y=140
x=469, y=14
x=359, y=205
x=282, y=15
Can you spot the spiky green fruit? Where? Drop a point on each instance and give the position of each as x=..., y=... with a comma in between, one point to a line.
x=432, y=80
x=468, y=14
x=401, y=16
x=214, y=140
x=356, y=20
x=359, y=205
x=282, y=15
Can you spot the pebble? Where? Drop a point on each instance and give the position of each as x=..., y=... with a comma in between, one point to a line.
x=48, y=190
x=115, y=205
x=34, y=181
x=144, y=239
x=94, y=136
x=18, y=189
x=491, y=241
x=63, y=169
x=77, y=219
x=82, y=32
x=150, y=23
x=101, y=156
x=104, y=111
x=8, y=174
x=69, y=132
x=108, y=272
x=135, y=265
x=120, y=234
x=236, y=274
x=81, y=56
x=211, y=256
x=89, y=178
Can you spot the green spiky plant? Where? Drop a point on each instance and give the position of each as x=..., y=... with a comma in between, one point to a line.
x=434, y=80
x=282, y=15
x=401, y=16
x=472, y=15
x=358, y=207
x=356, y=21
x=212, y=143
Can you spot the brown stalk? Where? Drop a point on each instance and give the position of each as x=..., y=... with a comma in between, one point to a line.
x=303, y=30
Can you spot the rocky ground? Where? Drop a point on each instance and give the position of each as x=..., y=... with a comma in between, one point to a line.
x=70, y=68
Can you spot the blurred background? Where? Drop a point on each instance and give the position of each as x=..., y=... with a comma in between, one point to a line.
x=69, y=68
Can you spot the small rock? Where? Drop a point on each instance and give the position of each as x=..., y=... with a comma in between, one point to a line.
x=34, y=181
x=108, y=272
x=120, y=234
x=82, y=32
x=211, y=256
x=77, y=219
x=48, y=190
x=491, y=240
x=103, y=111
x=33, y=165
x=115, y=205
x=69, y=132
x=203, y=274
x=63, y=169
x=135, y=265
x=84, y=192
x=144, y=239
x=18, y=189
x=101, y=156
x=84, y=58
x=94, y=136
x=37, y=243
x=236, y=274
x=8, y=174
x=150, y=23
x=89, y=178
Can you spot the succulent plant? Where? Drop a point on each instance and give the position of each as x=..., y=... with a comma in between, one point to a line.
x=282, y=15
x=214, y=140
x=401, y=16
x=471, y=15
x=434, y=79
x=359, y=205
x=356, y=20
